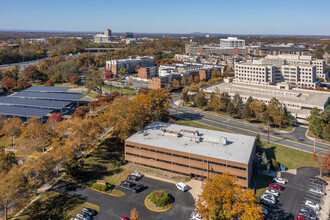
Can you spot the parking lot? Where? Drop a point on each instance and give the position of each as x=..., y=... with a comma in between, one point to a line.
x=117, y=207
x=295, y=193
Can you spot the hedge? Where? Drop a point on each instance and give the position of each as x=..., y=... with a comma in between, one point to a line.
x=99, y=187
x=160, y=198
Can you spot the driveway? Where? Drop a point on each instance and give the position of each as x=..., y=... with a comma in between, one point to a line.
x=116, y=207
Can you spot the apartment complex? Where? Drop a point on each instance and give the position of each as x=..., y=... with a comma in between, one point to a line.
x=298, y=71
x=192, y=152
x=148, y=72
x=103, y=38
x=129, y=64
x=299, y=102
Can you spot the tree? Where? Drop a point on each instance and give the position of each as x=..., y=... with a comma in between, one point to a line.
x=175, y=84
x=200, y=99
x=276, y=112
x=214, y=102
x=30, y=73
x=237, y=103
x=122, y=71
x=190, y=79
x=55, y=117
x=257, y=107
x=23, y=85
x=94, y=81
x=249, y=100
x=323, y=161
x=8, y=83
x=49, y=83
x=327, y=132
x=183, y=81
x=134, y=215
x=185, y=97
x=231, y=108
x=7, y=160
x=246, y=113
x=223, y=198
x=316, y=122
x=80, y=112
x=196, y=79
x=224, y=101
x=74, y=79
x=327, y=113
x=13, y=127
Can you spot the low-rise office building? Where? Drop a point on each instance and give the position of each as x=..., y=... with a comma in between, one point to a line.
x=192, y=152
x=129, y=64
x=299, y=102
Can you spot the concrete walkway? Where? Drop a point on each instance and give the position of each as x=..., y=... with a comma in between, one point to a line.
x=325, y=204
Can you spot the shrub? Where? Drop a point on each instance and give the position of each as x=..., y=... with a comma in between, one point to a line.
x=100, y=187
x=276, y=165
x=160, y=198
x=49, y=83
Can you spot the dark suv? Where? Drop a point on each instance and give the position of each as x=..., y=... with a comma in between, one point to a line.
x=133, y=178
x=318, y=181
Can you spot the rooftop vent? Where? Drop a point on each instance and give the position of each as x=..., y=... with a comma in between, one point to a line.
x=171, y=133
x=190, y=132
x=216, y=140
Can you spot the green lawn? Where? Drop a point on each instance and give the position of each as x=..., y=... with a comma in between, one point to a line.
x=105, y=163
x=288, y=157
x=53, y=205
x=125, y=91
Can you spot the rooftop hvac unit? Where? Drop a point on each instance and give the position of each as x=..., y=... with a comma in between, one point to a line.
x=216, y=140
x=171, y=133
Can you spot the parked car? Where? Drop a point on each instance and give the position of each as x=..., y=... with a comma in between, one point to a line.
x=302, y=217
x=124, y=218
x=127, y=184
x=272, y=191
x=268, y=196
x=138, y=174
x=83, y=216
x=317, y=191
x=181, y=186
x=89, y=211
x=275, y=186
x=195, y=216
x=304, y=211
x=265, y=211
x=133, y=178
x=315, y=206
x=138, y=188
x=267, y=203
x=279, y=180
x=318, y=181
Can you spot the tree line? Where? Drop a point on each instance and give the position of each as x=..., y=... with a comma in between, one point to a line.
x=274, y=114
x=319, y=123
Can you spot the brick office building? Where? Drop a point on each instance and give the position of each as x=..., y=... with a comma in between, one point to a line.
x=192, y=152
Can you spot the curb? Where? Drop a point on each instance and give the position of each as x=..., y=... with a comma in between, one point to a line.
x=317, y=140
x=153, y=210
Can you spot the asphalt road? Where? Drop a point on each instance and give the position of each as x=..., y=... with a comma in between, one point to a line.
x=235, y=126
x=117, y=207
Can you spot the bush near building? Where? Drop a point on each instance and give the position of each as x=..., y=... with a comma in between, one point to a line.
x=100, y=187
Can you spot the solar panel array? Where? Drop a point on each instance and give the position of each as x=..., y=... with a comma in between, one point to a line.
x=20, y=111
x=47, y=89
x=72, y=97
x=37, y=103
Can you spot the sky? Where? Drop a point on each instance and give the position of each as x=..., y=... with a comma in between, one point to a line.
x=280, y=17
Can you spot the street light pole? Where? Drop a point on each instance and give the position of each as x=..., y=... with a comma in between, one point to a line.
x=268, y=131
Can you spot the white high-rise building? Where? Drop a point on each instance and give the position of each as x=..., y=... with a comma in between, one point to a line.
x=103, y=38
x=232, y=42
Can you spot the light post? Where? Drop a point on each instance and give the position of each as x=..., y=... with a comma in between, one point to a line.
x=268, y=131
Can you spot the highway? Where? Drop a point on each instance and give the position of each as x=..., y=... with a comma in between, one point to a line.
x=22, y=65
x=247, y=129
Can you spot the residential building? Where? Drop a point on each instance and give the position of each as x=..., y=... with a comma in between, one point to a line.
x=192, y=152
x=148, y=72
x=129, y=64
x=103, y=38
x=299, y=102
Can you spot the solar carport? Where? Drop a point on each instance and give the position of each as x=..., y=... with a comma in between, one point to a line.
x=35, y=103
x=68, y=97
x=47, y=89
x=20, y=111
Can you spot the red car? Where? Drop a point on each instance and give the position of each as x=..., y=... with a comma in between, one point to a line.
x=301, y=217
x=275, y=186
x=124, y=218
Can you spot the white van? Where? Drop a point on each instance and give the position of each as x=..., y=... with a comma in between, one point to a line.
x=181, y=186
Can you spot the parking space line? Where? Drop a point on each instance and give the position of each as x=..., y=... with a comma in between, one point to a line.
x=313, y=196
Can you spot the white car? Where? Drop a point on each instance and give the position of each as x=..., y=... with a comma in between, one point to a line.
x=312, y=205
x=138, y=174
x=195, y=216
x=317, y=191
x=279, y=180
x=181, y=186
x=272, y=192
x=267, y=196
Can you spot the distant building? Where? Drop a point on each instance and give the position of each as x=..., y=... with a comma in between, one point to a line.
x=103, y=38
x=208, y=50
x=232, y=42
x=129, y=35
x=297, y=71
x=129, y=64
x=278, y=50
x=193, y=152
x=148, y=72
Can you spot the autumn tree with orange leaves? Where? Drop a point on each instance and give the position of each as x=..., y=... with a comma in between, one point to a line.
x=134, y=215
x=223, y=198
x=323, y=161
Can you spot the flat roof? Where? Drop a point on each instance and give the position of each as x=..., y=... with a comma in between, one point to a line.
x=47, y=89
x=20, y=111
x=72, y=97
x=36, y=103
x=207, y=143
